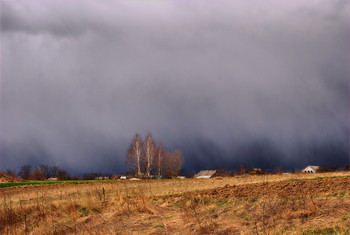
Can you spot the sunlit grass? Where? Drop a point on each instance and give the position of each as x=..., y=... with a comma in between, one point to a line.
x=168, y=206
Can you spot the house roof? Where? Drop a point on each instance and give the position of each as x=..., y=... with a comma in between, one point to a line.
x=205, y=174
x=315, y=168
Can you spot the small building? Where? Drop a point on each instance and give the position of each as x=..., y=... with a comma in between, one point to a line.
x=311, y=169
x=205, y=174
x=123, y=177
x=52, y=179
x=102, y=178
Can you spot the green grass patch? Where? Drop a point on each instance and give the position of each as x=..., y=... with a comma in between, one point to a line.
x=345, y=217
x=222, y=202
x=288, y=227
x=159, y=226
x=84, y=211
x=323, y=231
x=251, y=199
x=13, y=184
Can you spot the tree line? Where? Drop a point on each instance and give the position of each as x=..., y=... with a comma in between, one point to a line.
x=41, y=172
x=146, y=159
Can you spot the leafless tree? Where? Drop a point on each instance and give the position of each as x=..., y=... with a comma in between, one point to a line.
x=25, y=172
x=159, y=159
x=62, y=174
x=178, y=161
x=46, y=170
x=144, y=157
x=135, y=155
x=38, y=174
x=172, y=163
x=53, y=171
x=150, y=149
x=11, y=173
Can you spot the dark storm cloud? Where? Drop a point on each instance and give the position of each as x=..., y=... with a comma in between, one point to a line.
x=227, y=81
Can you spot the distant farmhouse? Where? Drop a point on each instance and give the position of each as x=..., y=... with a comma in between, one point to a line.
x=102, y=178
x=205, y=174
x=311, y=169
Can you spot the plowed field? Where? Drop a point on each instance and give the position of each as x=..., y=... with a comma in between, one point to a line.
x=282, y=189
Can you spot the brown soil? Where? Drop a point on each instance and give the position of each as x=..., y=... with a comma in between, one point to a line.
x=280, y=189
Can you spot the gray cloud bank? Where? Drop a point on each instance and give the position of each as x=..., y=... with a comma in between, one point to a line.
x=227, y=82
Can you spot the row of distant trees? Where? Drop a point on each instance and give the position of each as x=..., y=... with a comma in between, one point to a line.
x=146, y=159
x=169, y=168
x=41, y=172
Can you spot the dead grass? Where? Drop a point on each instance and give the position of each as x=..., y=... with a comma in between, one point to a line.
x=177, y=207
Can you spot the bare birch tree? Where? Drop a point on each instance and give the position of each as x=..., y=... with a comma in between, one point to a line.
x=150, y=154
x=135, y=155
x=143, y=157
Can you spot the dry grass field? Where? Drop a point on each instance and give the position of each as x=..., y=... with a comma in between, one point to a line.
x=267, y=204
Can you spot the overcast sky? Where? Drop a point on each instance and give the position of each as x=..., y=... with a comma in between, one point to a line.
x=227, y=82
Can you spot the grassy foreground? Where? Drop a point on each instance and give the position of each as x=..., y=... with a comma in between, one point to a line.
x=274, y=204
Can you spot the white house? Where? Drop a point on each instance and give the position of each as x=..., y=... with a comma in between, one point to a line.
x=311, y=169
